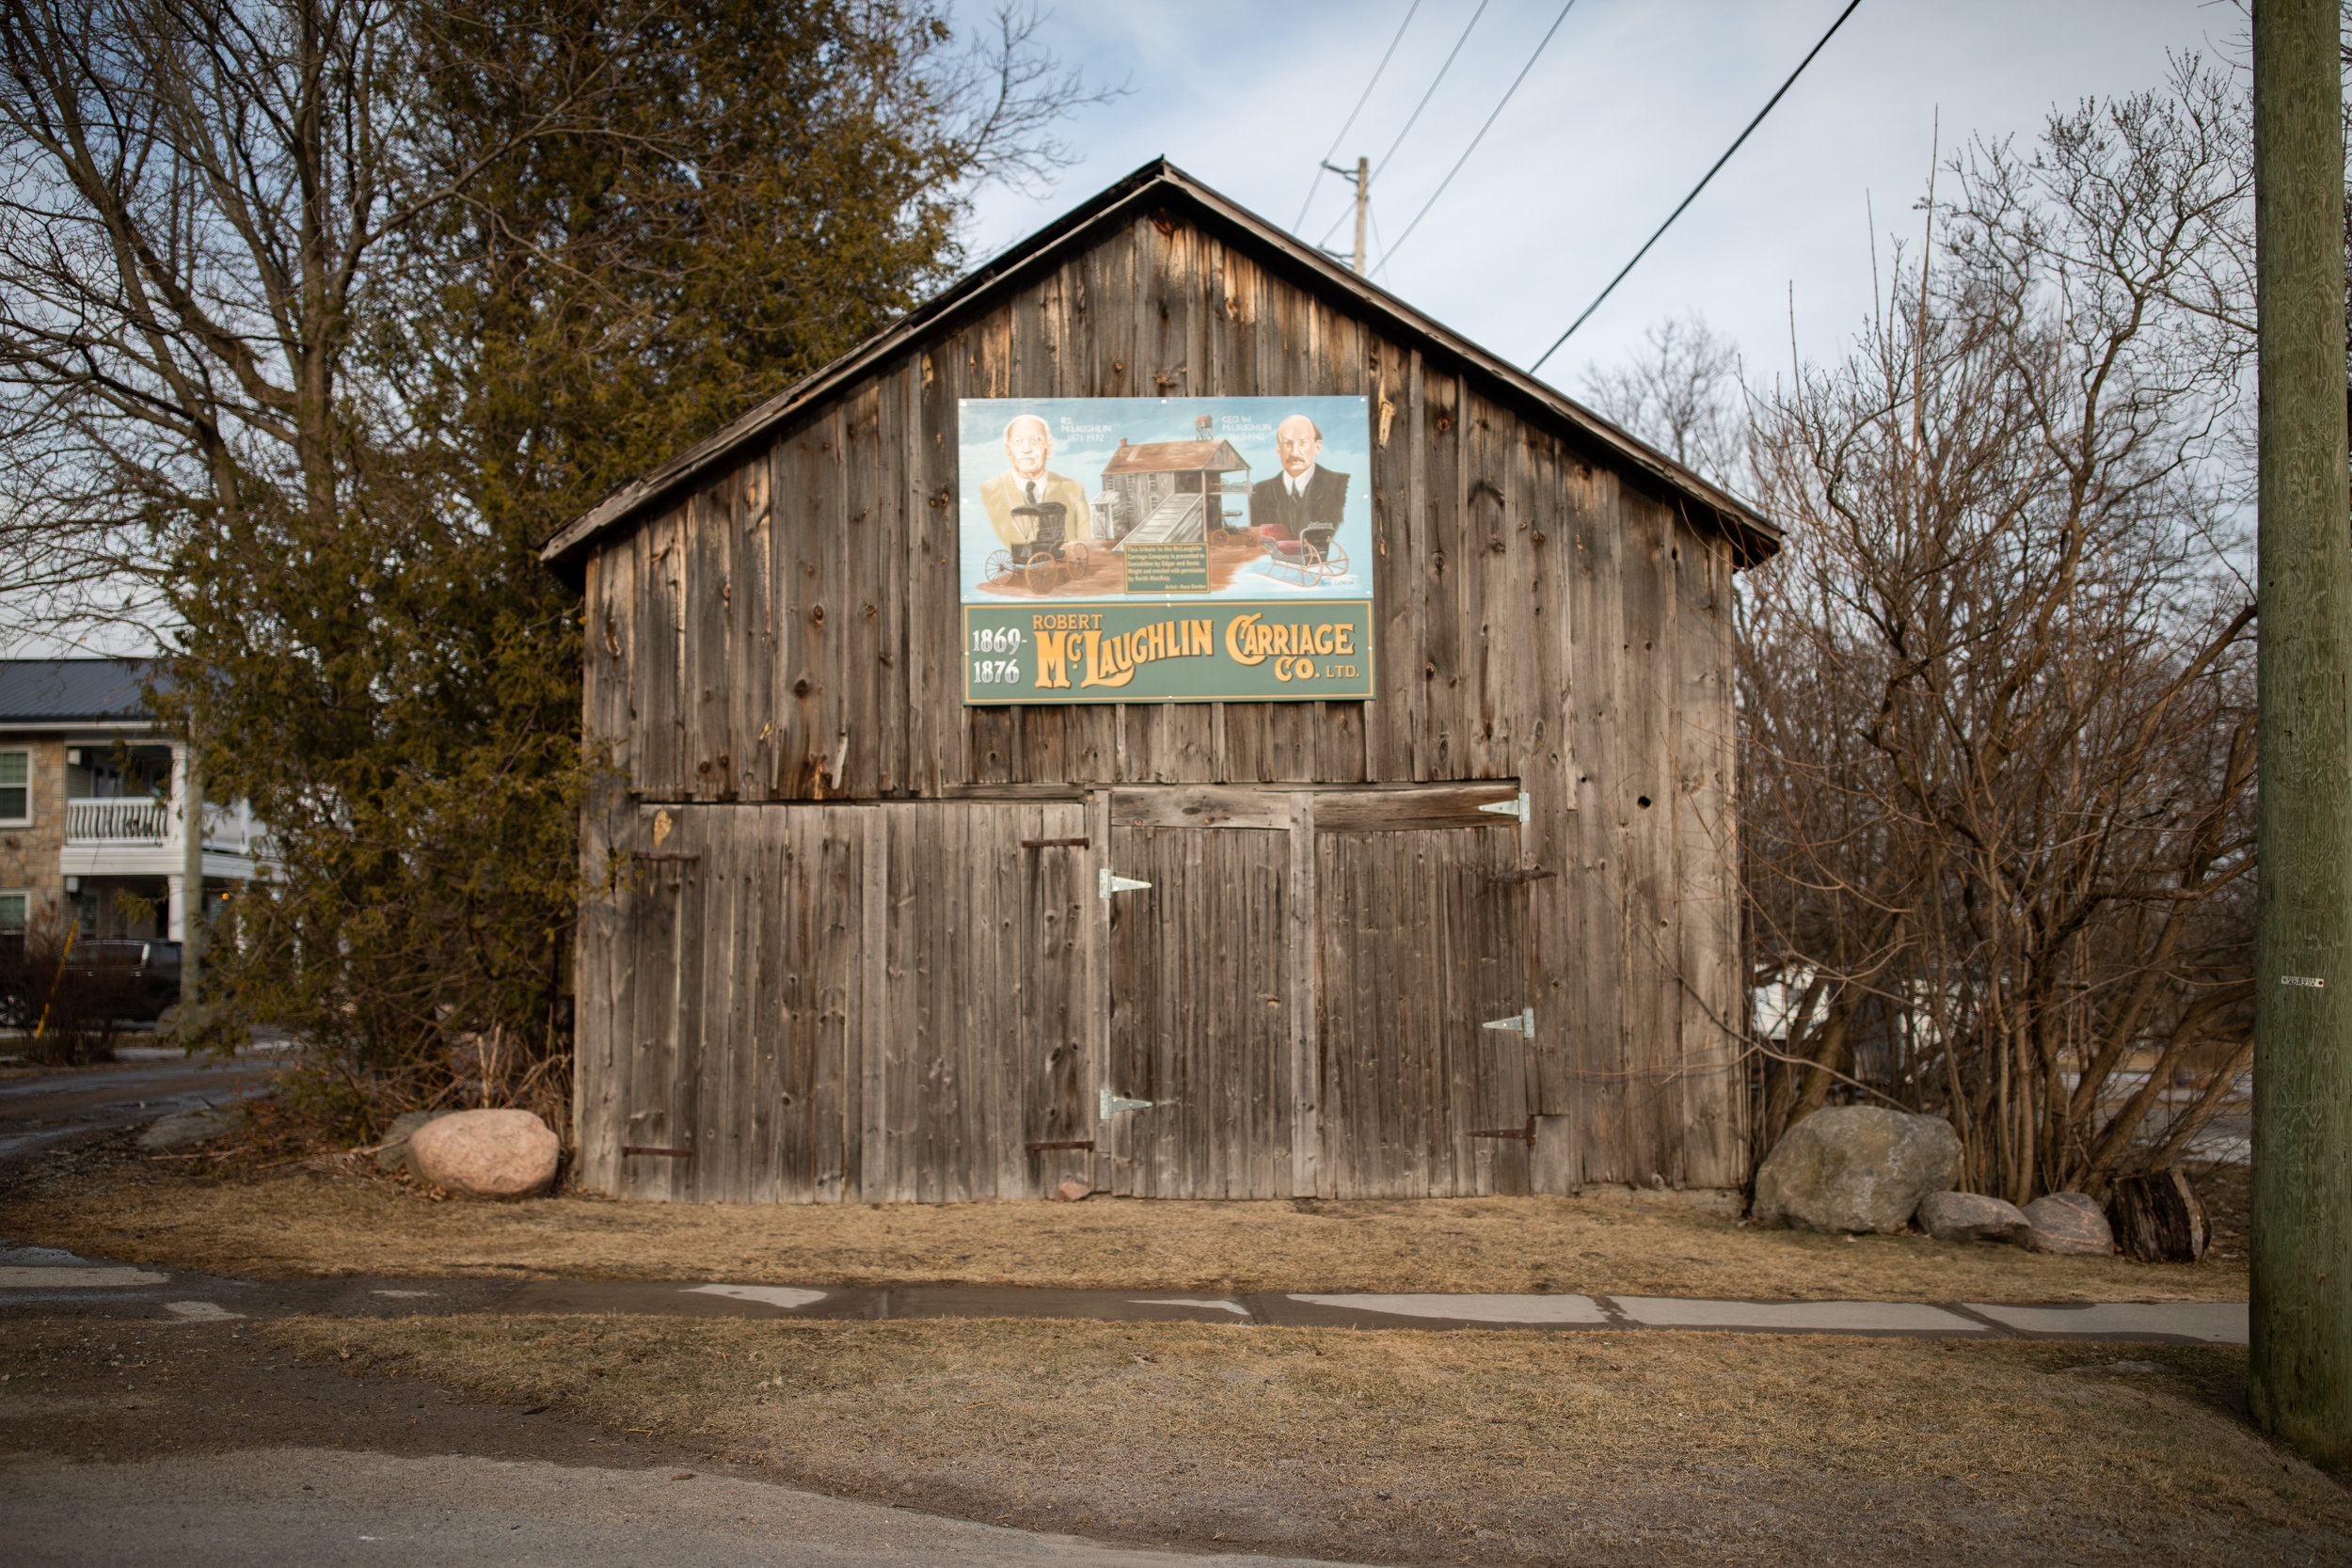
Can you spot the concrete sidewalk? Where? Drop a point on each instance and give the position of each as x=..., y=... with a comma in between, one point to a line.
x=39, y=1282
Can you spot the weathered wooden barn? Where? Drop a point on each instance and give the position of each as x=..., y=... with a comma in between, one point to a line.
x=856, y=939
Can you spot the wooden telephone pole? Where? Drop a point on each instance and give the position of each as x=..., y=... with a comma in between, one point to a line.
x=1362, y=174
x=2301, y=1364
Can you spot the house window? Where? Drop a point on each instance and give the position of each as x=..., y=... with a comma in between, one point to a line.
x=16, y=786
x=14, y=905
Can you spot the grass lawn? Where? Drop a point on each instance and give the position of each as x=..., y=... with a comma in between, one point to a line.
x=1435, y=1446
x=329, y=1218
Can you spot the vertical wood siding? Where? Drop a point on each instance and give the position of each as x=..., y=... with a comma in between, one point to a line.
x=787, y=632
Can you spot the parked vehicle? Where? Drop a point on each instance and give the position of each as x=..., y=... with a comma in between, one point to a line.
x=128, y=978
x=99, y=981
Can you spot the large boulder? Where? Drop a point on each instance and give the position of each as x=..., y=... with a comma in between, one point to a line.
x=1856, y=1167
x=485, y=1154
x=1971, y=1217
x=2067, y=1222
x=391, y=1155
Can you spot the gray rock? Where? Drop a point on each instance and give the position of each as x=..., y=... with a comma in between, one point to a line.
x=1855, y=1167
x=1971, y=1217
x=188, y=1129
x=2067, y=1222
x=199, y=1026
x=485, y=1154
x=391, y=1155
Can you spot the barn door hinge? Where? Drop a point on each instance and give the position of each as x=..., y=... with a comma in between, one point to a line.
x=1117, y=1102
x=1510, y=808
x=1112, y=884
x=1520, y=1022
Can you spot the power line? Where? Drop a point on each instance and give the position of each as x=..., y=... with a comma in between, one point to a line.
x=1476, y=139
x=1695, y=189
x=1317, y=183
x=1417, y=107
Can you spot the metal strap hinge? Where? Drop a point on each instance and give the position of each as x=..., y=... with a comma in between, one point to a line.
x=1510, y=808
x=1523, y=1022
x=1117, y=1102
x=1112, y=884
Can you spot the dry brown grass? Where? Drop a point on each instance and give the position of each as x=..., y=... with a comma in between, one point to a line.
x=1405, y=1443
x=297, y=1223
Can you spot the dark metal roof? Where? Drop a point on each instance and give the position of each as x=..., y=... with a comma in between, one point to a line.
x=1160, y=184
x=73, y=691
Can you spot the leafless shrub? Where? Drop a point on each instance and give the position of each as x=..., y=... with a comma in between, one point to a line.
x=1997, y=693
x=67, y=1010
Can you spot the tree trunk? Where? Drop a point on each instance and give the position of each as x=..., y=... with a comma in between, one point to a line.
x=2158, y=1219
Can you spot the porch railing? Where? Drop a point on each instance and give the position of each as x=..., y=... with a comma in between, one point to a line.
x=125, y=819
x=143, y=820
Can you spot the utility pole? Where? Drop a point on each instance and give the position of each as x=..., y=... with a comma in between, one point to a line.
x=1363, y=202
x=2301, y=1364
x=191, y=874
x=1362, y=175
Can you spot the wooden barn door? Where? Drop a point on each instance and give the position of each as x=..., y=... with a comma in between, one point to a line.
x=973, y=1068
x=1421, y=915
x=1301, y=990
x=645, y=1094
x=814, y=1003
x=1203, y=1015
x=728, y=1065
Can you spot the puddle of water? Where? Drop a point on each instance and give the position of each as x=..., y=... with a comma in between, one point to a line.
x=200, y=1311
x=774, y=1295
x=1182, y=1300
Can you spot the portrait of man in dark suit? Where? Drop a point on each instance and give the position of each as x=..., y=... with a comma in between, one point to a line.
x=1306, y=498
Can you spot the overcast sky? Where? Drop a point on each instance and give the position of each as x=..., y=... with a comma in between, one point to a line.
x=1621, y=114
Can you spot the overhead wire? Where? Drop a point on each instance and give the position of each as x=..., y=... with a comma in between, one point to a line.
x=1507, y=93
x=1316, y=183
x=1695, y=189
x=1415, y=116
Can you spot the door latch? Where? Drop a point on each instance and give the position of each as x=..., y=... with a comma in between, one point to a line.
x=1509, y=808
x=1112, y=884
x=1115, y=1102
x=1522, y=1022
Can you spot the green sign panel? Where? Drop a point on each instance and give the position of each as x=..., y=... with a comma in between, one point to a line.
x=1202, y=653
x=1165, y=550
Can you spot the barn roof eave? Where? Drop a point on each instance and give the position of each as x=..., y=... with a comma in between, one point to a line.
x=1754, y=536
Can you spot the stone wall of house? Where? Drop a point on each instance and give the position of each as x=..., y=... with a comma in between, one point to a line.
x=32, y=855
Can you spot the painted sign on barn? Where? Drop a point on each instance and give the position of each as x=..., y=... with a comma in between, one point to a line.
x=1165, y=550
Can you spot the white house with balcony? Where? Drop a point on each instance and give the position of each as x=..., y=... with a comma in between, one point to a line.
x=93, y=806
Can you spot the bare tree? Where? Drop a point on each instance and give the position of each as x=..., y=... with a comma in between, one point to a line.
x=216, y=214
x=315, y=314
x=1681, y=395
x=1997, y=690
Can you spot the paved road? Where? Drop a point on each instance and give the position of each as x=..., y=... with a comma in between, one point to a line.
x=197, y=1443
x=49, y=1108
x=41, y=1282
x=320, y=1508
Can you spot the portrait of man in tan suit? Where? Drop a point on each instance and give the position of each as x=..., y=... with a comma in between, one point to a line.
x=1028, y=483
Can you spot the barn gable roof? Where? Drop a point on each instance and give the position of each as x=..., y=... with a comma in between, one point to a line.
x=1160, y=185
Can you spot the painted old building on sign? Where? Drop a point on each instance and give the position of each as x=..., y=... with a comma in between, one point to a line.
x=1372, y=840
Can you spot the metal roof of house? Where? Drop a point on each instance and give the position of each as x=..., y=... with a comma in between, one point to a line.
x=1154, y=458
x=1156, y=185
x=73, y=691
